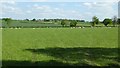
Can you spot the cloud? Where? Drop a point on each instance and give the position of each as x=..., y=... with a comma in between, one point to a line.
x=10, y=2
x=11, y=10
x=39, y=0
x=28, y=11
x=109, y=0
x=101, y=9
x=75, y=0
x=38, y=10
x=88, y=4
x=47, y=11
x=42, y=9
x=6, y=9
x=62, y=0
x=98, y=4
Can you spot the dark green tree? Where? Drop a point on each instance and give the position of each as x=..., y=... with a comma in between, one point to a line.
x=27, y=19
x=64, y=22
x=34, y=19
x=118, y=21
x=7, y=20
x=73, y=23
x=95, y=21
x=107, y=21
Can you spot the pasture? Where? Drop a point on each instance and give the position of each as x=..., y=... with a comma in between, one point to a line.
x=60, y=46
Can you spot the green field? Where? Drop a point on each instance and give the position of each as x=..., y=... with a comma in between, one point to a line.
x=60, y=46
x=30, y=24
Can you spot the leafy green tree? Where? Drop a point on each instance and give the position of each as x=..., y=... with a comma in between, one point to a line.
x=95, y=20
x=81, y=21
x=46, y=20
x=107, y=21
x=7, y=20
x=34, y=19
x=73, y=23
x=27, y=19
x=64, y=22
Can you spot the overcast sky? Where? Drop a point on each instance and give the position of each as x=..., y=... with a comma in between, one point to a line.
x=70, y=9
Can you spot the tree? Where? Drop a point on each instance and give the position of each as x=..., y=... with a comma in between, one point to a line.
x=64, y=22
x=7, y=20
x=107, y=21
x=114, y=20
x=73, y=23
x=95, y=20
x=82, y=21
x=46, y=20
x=34, y=19
x=27, y=19
x=118, y=21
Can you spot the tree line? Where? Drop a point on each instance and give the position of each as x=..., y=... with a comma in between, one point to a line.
x=72, y=23
x=95, y=21
x=114, y=21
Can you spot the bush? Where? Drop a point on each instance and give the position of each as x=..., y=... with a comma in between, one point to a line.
x=73, y=23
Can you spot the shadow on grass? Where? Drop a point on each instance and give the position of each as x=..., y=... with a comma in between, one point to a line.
x=29, y=63
x=83, y=57
x=75, y=54
x=51, y=63
x=40, y=64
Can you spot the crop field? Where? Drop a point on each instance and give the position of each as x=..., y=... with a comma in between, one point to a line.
x=60, y=47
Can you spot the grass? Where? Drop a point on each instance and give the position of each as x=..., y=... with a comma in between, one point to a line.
x=60, y=46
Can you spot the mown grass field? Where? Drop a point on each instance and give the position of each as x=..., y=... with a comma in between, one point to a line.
x=60, y=46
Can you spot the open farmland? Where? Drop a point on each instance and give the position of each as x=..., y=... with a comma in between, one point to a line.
x=60, y=46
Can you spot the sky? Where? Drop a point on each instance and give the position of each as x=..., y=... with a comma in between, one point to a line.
x=65, y=9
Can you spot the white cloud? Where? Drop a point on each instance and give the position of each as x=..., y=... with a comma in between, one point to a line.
x=43, y=8
x=62, y=0
x=28, y=11
x=46, y=11
x=10, y=9
x=87, y=4
x=101, y=9
x=39, y=0
x=98, y=4
x=75, y=0
x=109, y=0
x=7, y=0
x=10, y=2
